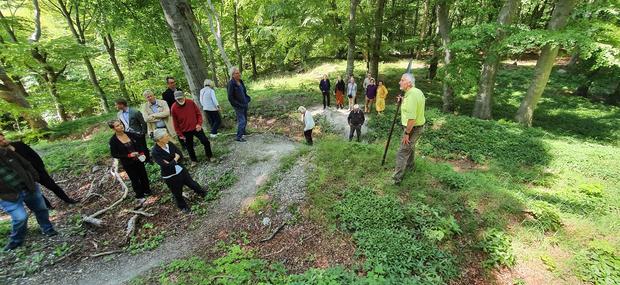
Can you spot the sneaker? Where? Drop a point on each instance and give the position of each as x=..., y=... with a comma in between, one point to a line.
x=241, y=140
x=11, y=246
x=213, y=136
x=186, y=210
x=185, y=195
x=51, y=233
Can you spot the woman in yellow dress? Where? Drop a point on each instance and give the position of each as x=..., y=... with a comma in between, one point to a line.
x=382, y=93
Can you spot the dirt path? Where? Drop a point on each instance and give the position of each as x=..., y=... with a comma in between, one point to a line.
x=251, y=161
x=337, y=119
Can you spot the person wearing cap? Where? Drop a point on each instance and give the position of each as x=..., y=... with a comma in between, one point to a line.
x=18, y=187
x=131, y=153
x=156, y=114
x=187, y=120
x=133, y=120
x=306, y=117
x=239, y=100
x=412, y=121
x=356, y=120
x=211, y=106
x=175, y=175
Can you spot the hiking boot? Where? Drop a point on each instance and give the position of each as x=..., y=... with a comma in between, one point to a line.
x=12, y=246
x=51, y=233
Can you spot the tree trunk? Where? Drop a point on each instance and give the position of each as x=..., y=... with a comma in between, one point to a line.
x=14, y=93
x=236, y=35
x=217, y=34
x=103, y=100
x=444, y=25
x=559, y=18
x=375, y=48
x=484, y=102
x=248, y=41
x=108, y=42
x=60, y=108
x=351, y=36
x=424, y=25
x=192, y=18
x=178, y=16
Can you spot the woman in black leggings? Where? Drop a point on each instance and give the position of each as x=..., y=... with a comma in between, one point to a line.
x=127, y=147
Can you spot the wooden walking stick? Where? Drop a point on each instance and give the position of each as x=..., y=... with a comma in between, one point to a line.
x=387, y=145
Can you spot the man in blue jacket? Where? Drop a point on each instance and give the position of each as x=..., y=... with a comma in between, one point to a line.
x=239, y=99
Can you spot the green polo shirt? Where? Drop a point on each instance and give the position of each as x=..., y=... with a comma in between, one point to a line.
x=412, y=107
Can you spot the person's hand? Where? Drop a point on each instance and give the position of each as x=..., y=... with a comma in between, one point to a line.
x=405, y=139
x=198, y=128
x=399, y=98
x=182, y=138
x=177, y=157
x=134, y=154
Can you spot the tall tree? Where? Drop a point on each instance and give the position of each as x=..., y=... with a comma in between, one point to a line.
x=236, y=34
x=110, y=47
x=559, y=18
x=179, y=17
x=205, y=38
x=78, y=21
x=443, y=22
x=217, y=33
x=483, y=104
x=248, y=41
x=351, y=37
x=375, y=48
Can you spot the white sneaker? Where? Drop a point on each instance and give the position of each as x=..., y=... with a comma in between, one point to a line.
x=213, y=136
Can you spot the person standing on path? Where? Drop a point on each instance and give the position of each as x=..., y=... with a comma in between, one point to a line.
x=35, y=160
x=211, y=106
x=351, y=91
x=366, y=81
x=131, y=153
x=339, y=90
x=382, y=93
x=371, y=94
x=18, y=187
x=239, y=100
x=168, y=95
x=188, y=124
x=325, y=86
x=169, y=158
x=156, y=114
x=412, y=121
x=306, y=117
x=133, y=121
x=356, y=120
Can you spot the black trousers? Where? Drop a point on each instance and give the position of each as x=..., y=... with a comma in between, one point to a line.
x=325, y=99
x=355, y=129
x=46, y=180
x=139, y=179
x=215, y=120
x=176, y=183
x=189, y=143
x=308, y=135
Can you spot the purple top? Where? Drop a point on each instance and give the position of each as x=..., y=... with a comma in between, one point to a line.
x=371, y=91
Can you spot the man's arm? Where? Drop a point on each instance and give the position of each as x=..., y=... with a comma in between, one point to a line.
x=165, y=111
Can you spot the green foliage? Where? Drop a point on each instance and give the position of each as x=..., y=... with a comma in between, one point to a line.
x=147, y=241
x=498, y=247
x=364, y=210
x=599, y=264
x=546, y=217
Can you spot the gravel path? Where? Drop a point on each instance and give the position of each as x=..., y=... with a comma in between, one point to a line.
x=337, y=119
x=265, y=149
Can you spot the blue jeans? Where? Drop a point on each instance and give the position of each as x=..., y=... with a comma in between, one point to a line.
x=19, y=217
x=242, y=121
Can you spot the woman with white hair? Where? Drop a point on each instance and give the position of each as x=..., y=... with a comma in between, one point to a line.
x=175, y=175
x=211, y=106
x=306, y=117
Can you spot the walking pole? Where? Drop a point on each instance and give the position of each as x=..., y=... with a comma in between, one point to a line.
x=387, y=145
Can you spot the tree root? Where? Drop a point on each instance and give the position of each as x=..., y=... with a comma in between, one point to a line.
x=92, y=219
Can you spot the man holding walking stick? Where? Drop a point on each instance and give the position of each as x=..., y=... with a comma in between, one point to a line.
x=412, y=120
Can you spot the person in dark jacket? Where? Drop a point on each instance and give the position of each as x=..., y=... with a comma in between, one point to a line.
x=356, y=120
x=168, y=95
x=131, y=153
x=18, y=186
x=169, y=158
x=325, y=87
x=133, y=120
x=187, y=120
x=35, y=160
x=239, y=100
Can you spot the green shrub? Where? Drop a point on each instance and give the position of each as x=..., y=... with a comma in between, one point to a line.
x=498, y=247
x=599, y=265
x=546, y=216
x=428, y=222
x=363, y=209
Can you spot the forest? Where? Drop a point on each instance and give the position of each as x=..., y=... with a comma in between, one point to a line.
x=515, y=177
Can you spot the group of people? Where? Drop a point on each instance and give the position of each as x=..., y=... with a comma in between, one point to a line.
x=22, y=170
x=375, y=92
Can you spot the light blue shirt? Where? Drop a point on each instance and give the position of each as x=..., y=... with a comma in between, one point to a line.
x=308, y=121
x=207, y=99
x=155, y=108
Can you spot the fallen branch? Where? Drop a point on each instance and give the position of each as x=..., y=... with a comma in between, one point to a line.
x=274, y=233
x=106, y=253
x=92, y=219
x=131, y=226
x=139, y=213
